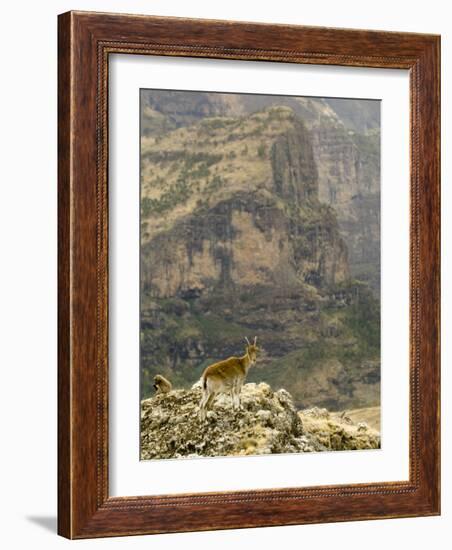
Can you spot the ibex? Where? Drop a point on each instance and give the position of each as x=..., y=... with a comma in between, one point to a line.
x=227, y=376
x=161, y=384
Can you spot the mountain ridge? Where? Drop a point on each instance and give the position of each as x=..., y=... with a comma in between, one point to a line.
x=236, y=240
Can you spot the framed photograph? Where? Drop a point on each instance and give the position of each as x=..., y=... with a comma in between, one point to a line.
x=248, y=275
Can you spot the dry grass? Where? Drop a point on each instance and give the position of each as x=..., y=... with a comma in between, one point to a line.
x=337, y=431
x=242, y=146
x=369, y=415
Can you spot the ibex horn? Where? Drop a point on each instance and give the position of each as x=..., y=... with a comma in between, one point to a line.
x=255, y=340
x=247, y=341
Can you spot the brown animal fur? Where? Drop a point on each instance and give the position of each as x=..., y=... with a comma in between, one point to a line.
x=227, y=376
x=161, y=384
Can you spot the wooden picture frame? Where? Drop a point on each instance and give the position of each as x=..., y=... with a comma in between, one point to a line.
x=85, y=42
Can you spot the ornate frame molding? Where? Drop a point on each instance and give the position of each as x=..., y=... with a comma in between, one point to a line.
x=85, y=42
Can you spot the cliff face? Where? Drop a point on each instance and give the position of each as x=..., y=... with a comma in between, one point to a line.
x=236, y=240
x=349, y=176
x=268, y=423
x=346, y=148
x=271, y=231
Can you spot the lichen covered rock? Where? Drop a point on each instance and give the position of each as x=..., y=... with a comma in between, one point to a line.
x=267, y=423
x=337, y=431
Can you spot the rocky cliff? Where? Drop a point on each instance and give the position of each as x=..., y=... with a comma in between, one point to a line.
x=346, y=144
x=268, y=423
x=237, y=206
x=349, y=176
x=339, y=431
x=236, y=240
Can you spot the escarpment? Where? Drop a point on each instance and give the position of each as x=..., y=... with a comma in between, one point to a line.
x=349, y=176
x=346, y=147
x=236, y=240
x=236, y=233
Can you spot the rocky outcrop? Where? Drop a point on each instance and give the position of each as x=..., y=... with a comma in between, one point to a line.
x=270, y=230
x=268, y=423
x=337, y=431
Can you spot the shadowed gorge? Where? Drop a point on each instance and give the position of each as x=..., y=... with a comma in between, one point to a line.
x=260, y=216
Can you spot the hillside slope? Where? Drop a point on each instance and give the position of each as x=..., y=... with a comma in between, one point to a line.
x=236, y=242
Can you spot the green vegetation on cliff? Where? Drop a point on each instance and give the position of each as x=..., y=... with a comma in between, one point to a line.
x=237, y=239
